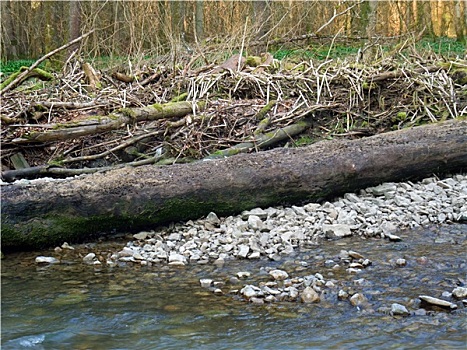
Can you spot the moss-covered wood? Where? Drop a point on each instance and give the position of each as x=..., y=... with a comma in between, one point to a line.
x=98, y=124
x=131, y=199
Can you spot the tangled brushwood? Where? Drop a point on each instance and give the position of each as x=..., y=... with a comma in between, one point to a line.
x=88, y=120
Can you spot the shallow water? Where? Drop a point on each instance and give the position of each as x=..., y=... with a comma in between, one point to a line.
x=72, y=305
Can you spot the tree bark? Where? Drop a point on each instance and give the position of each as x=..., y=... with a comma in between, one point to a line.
x=132, y=199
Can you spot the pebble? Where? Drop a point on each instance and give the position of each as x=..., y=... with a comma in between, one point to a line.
x=437, y=302
x=399, y=310
x=279, y=275
x=401, y=262
x=46, y=260
x=205, y=282
x=357, y=299
x=459, y=292
x=309, y=295
x=89, y=258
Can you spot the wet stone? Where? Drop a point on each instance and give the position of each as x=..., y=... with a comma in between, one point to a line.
x=459, y=292
x=279, y=275
x=309, y=295
x=437, y=302
x=399, y=310
x=47, y=260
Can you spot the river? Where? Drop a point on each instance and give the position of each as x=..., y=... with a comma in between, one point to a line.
x=72, y=305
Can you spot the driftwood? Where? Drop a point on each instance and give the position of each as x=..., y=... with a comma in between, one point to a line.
x=131, y=199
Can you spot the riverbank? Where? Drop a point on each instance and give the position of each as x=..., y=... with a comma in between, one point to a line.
x=272, y=233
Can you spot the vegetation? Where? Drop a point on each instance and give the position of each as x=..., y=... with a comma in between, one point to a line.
x=273, y=81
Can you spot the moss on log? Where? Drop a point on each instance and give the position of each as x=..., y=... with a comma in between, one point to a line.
x=132, y=199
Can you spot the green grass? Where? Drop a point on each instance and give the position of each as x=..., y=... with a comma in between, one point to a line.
x=446, y=47
x=443, y=46
x=319, y=53
x=13, y=66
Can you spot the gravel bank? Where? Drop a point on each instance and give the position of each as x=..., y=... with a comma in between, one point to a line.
x=276, y=232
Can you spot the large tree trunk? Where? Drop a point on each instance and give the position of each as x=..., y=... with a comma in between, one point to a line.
x=131, y=199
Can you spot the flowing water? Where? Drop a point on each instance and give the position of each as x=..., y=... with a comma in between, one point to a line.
x=72, y=305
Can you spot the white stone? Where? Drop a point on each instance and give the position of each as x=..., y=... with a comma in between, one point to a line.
x=254, y=255
x=212, y=218
x=205, y=282
x=279, y=275
x=336, y=230
x=399, y=310
x=243, y=250
x=175, y=257
x=89, y=258
x=46, y=260
x=141, y=236
x=255, y=223
x=309, y=295
x=438, y=302
x=459, y=292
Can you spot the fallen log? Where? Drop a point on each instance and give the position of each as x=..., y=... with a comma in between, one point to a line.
x=132, y=199
x=99, y=124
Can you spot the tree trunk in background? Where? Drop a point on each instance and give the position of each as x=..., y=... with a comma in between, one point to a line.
x=199, y=20
x=371, y=10
x=74, y=24
x=8, y=35
x=423, y=19
x=459, y=23
x=132, y=199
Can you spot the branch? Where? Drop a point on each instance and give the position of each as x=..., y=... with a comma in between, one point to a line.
x=20, y=77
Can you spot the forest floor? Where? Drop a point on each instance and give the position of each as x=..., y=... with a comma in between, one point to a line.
x=84, y=119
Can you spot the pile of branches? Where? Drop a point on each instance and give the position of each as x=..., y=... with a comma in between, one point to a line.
x=85, y=120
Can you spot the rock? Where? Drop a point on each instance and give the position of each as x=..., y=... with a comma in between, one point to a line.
x=357, y=299
x=243, y=274
x=65, y=245
x=336, y=231
x=258, y=212
x=459, y=292
x=437, y=302
x=46, y=260
x=279, y=275
x=249, y=291
x=312, y=207
x=399, y=310
x=355, y=255
x=383, y=189
x=309, y=295
x=254, y=255
x=177, y=258
x=205, y=282
x=243, y=251
x=401, y=262
x=342, y=294
x=88, y=259
x=213, y=219
x=255, y=223
x=255, y=300
x=126, y=251
x=392, y=237
x=138, y=256
x=175, y=236
x=141, y=236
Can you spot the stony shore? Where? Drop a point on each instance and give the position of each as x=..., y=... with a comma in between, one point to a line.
x=271, y=233
x=275, y=235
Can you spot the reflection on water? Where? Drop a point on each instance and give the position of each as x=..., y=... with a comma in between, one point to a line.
x=76, y=306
